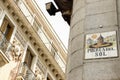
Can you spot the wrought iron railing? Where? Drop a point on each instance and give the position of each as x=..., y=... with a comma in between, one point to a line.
x=5, y=45
x=3, y=42
x=25, y=72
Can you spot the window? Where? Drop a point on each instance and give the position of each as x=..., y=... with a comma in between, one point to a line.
x=29, y=58
x=7, y=29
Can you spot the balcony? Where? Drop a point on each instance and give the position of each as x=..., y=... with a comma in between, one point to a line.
x=25, y=73
x=4, y=46
x=30, y=17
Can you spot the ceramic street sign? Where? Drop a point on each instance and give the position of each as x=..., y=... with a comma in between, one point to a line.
x=101, y=45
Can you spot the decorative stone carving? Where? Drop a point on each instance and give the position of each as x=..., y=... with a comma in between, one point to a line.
x=38, y=74
x=16, y=50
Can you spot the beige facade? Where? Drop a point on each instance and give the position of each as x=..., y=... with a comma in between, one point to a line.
x=29, y=48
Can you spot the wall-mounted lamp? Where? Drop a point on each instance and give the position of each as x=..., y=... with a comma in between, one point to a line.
x=51, y=9
x=64, y=6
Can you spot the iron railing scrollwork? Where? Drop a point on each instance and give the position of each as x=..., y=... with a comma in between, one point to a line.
x=26, y=72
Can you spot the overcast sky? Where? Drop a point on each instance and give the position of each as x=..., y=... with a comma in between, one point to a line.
x=59, y=25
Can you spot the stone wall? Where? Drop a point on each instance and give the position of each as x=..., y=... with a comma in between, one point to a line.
x=92, y=16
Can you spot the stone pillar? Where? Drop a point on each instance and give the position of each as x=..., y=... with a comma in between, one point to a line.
x=91, y=17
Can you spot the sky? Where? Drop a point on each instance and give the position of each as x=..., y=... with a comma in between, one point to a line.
x=59, y=25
